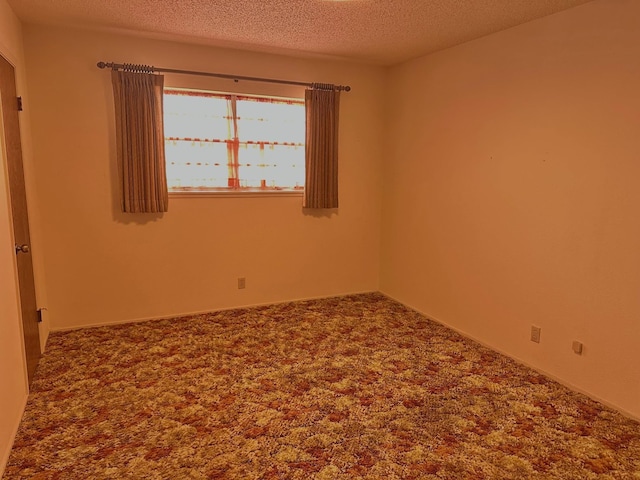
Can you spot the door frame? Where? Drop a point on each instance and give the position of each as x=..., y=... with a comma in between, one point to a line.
x=13, y=163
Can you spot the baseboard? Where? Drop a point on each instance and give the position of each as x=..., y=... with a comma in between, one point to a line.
x=547, y=374
x=431, y=317
x=4, y=458
x=205, y=312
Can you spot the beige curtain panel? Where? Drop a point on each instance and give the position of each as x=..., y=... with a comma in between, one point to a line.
x=321, y=184
x=140, y=141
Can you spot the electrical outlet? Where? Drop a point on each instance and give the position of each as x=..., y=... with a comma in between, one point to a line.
x=535, y=334
x=241, y=282
x=577, y=347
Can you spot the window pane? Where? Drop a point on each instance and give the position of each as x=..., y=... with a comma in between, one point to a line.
x=276, y=165
x=270, y=122
x=194, y=164
x=191, y=116
x=263, y=147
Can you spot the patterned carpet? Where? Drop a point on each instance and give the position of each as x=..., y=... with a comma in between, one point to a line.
x=341, y=388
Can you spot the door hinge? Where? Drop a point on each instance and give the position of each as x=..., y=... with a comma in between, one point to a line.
x=40, y=314
x=19, y=104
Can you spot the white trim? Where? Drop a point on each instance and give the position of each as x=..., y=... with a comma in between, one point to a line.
x=222, y=94
x=9, y=56
x=430, y=317
x=551, y=376
x=235, y=193
x=5, y=166
x=225, y=309
x=5, y=455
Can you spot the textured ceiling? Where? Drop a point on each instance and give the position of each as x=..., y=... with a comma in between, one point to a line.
x=381, y=32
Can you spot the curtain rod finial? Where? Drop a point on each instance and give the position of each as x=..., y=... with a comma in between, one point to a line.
x=101, y=65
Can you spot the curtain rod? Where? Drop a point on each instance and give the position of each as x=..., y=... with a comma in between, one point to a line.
x=149, y=69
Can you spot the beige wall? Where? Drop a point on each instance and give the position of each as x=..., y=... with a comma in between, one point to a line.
x=512, y=194
x=104, y=266
x=508, y=196
x=13, y=376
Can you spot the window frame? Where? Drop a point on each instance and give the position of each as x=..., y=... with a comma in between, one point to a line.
x=229, y=192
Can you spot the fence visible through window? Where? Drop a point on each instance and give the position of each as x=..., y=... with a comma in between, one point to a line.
x=225, y=142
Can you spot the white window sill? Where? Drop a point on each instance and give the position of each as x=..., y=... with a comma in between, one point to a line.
x=249, y=192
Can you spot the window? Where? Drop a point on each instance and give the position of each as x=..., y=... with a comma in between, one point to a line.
x=225, y=142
